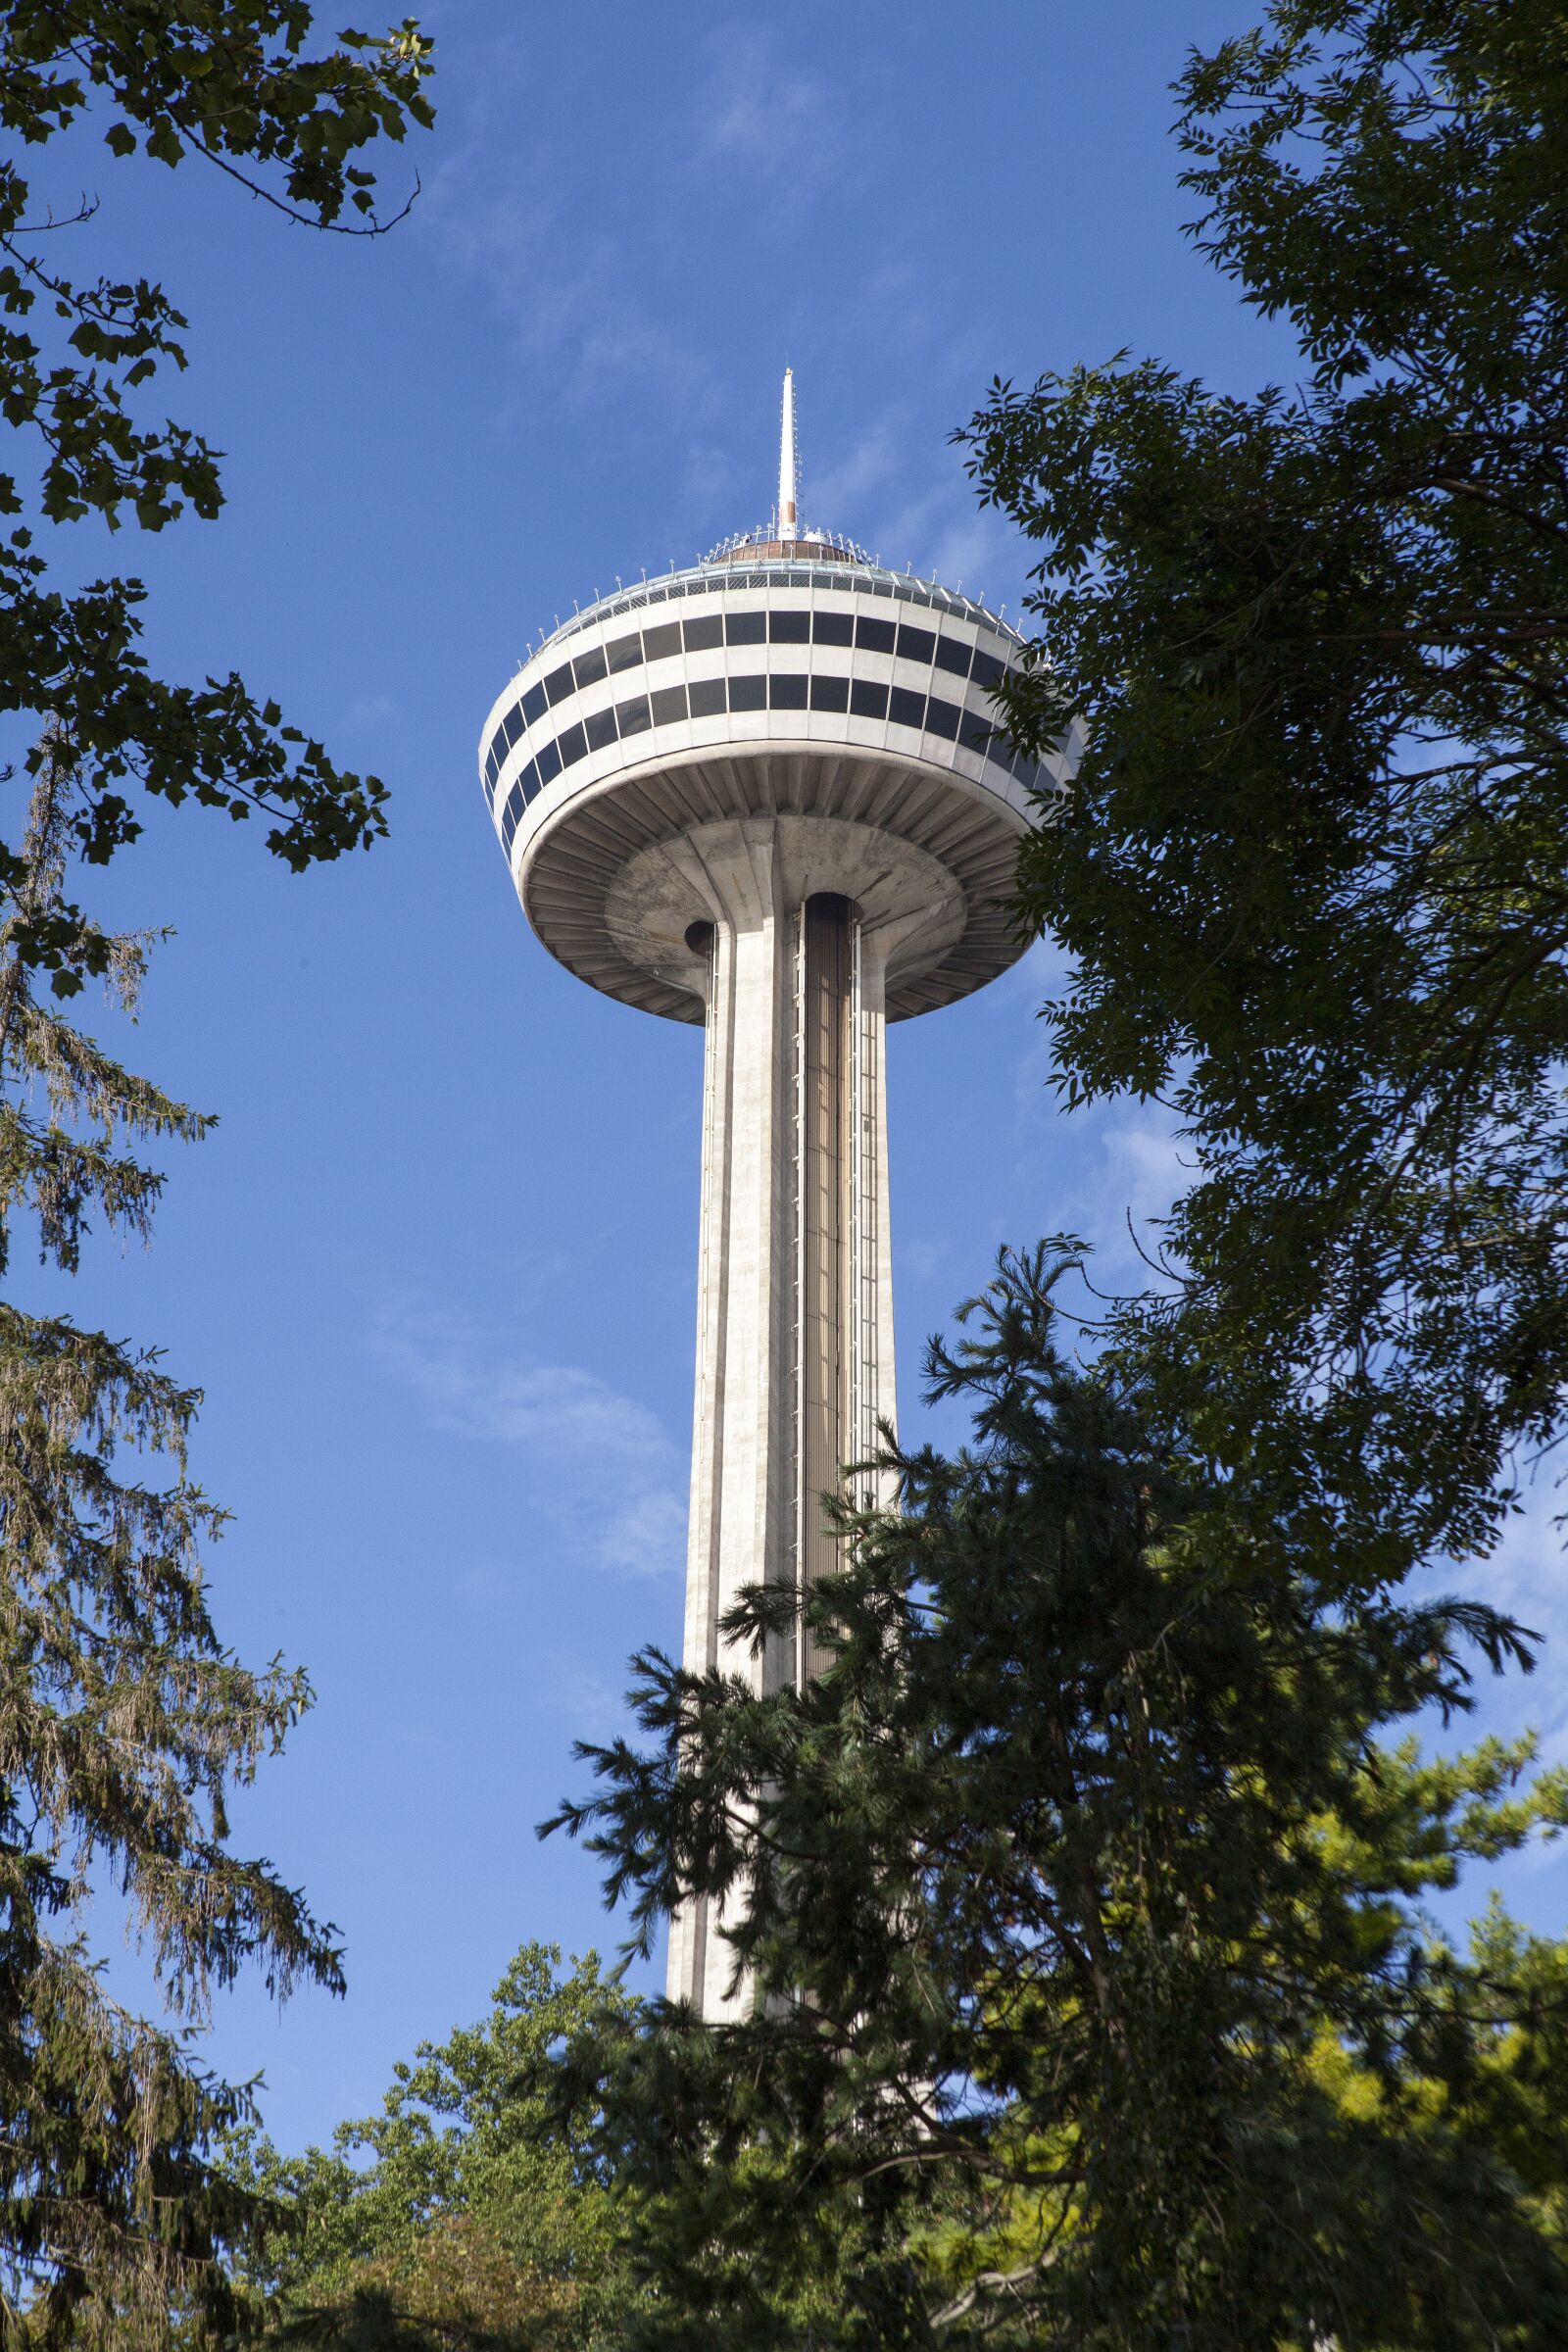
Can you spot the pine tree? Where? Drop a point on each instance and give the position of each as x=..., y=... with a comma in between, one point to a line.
x=123, y=1720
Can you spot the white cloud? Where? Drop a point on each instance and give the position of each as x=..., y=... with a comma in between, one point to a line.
x=594, y=1453
x=759, y=116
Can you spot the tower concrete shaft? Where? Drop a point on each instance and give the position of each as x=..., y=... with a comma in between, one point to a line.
x=795, y=1297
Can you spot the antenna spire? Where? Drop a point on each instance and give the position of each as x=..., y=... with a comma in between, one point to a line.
x=788, y=460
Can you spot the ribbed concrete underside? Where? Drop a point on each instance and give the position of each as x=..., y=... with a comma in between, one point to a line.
x=570, y=866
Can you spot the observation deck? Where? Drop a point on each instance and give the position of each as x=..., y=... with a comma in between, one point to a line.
x=775, y=678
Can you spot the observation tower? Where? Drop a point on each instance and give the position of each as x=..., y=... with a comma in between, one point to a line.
x=766, y=794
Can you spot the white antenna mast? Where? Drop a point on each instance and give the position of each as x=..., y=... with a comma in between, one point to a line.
x=788, y=462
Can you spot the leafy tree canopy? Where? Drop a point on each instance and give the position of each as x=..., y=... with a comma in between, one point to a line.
x=1313, y=869
x=234, y=83
x=466, y=2213
x=1096, y=2004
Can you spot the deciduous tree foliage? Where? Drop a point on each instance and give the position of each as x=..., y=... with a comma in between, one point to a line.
x=234, y=82
x=1094, y=2002
x=1312, y=868
x=464, y=2213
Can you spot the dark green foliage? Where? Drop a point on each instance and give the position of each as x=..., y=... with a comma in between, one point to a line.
x=229, y=80
x=1094, y=2003
x=1313, y=869
x=124, y=1721
x=466, y=2213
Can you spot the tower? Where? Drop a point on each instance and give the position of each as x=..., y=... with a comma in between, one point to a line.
x=765, y=793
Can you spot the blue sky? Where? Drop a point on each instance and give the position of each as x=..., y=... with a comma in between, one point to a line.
x=436, y=1267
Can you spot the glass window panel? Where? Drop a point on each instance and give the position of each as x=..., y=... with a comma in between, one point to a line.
x=573, y=744
x=559, y=684
x=633, y=715
x=588, y=668
x=508, y=732
x=534, y=705
x=659, y=644
x=492, y=765
x=707, y=698
x=950, y=654
x=942, y=718
x=915, y=645
x=1000, y=750
x=789, y=628
x=877, y=636
x=625, y=652
x=787, y=693
x=746, y=628
x=601, y=729
x=669, y=704
x=703, y=635
x=748, y=694
x=833, y=628
x=868, y=700
x=550, y=763
x=530, y=779
x=978, y=732
x=511, y=813
x=905, y=709
x=830, y=694
x=986, y=670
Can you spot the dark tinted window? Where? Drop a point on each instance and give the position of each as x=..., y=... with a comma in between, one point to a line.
x=978, y=733
x=787, y=693
x=707, y=698
x=601, y=729
x=550, y=763
x=868, y=700
x=534, y=705
x=669, y=702
x=915, y=645
x=830, y=694
x=833, y=628
x=633, y=715
x=530, y=779
x=658, y=643
x=625, y=652
x=589, y=669
x=573, y=744
x=508, y=732
x=905, y=709
x=876, y=636
x=789, y=628
x=492, y=765
x=748, y=694
x=560, y=683
x=984, y=670
x=942, y=718
x=511, y=813
x=746, y=628
x=703, y=635
x=950, y=654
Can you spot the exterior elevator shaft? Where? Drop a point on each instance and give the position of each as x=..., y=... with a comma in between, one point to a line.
x=794, y=1358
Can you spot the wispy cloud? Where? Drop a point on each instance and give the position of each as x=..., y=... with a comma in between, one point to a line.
x=759, y=115
x=592, y=1451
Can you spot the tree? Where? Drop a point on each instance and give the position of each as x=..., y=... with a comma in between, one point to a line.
x=1312, y=871
x=124, y=1721
x=226, y=80
x=479, y=2219
x=1095, y=2004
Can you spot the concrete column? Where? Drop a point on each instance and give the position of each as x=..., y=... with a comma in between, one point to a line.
x=793, y=1338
